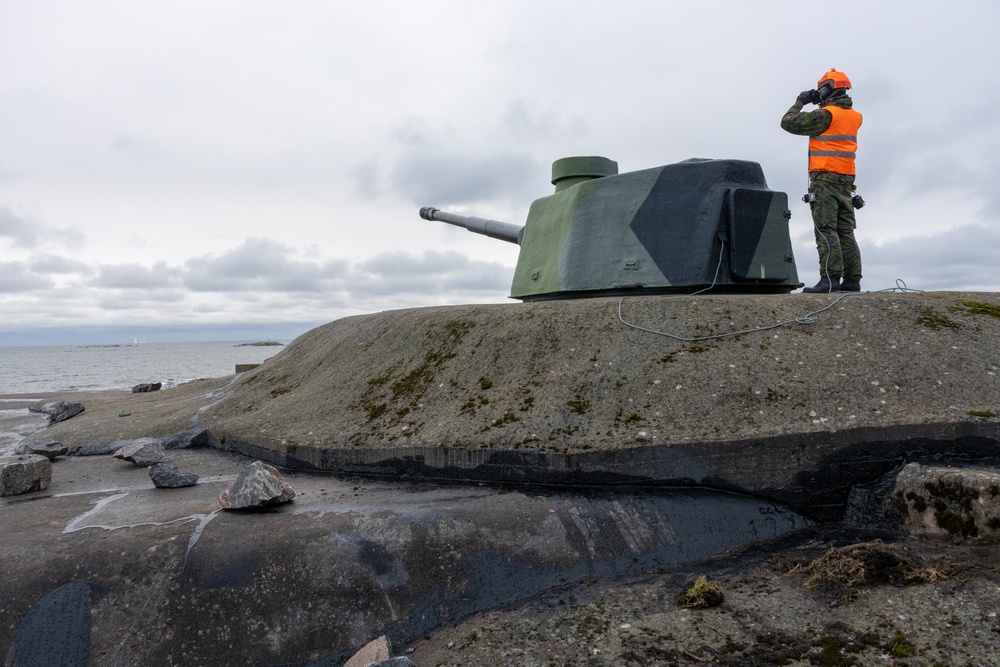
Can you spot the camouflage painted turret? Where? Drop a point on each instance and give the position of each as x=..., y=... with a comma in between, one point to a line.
x=673, y=229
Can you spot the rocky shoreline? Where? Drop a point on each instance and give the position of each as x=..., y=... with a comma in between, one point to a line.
x=602, y=469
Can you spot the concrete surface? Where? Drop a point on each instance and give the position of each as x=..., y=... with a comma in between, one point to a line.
x=564, y=393
x=582, y=418
x=174, y=580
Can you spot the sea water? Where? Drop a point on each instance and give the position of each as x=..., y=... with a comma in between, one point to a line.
x=49, y=369
x=34, y=370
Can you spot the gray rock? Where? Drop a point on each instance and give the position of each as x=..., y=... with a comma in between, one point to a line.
x=166, y=476
x=143, y=452
x=257, y=485
x=46, y=447
x=146, y=387
x=961, y=502
x=24, y=474
x=399, y=661
x=373, y=652
x=61, y=410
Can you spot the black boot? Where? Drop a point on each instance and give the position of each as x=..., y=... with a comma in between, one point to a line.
x=850, y=286
x=831, y=284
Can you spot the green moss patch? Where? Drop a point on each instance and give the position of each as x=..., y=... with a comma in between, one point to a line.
x=578, y=405
x=700, y=594
x=396, y=392
x=932, y=319
x=982, y=308
x=953, y=504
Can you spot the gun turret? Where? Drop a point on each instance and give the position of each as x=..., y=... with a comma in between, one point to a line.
x=495, y=229
x=680, y=228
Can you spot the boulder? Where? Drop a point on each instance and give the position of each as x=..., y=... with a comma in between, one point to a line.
x=257, y=485
x=166, y=476
x=961, y=502
x=46, y=447
x=23, y=474
x=143, y=452
x=374, y=651
x=146, y=387
x=61, y=410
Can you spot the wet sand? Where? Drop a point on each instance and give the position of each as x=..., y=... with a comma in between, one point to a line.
x=16, y=422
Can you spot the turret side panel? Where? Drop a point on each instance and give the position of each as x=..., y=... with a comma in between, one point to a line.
x=760, y=248
x=680, y=221
x=600, y=251
x=545, y=231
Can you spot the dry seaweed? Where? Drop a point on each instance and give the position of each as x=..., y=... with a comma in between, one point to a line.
x=850, y=571
x=701, y=594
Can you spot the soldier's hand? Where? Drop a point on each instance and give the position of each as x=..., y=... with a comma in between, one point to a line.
x=807, y=97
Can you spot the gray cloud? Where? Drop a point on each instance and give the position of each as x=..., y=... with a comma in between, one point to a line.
x=435, y=167
x=427, y=176
x=415, y=131
x=28, y=233
x=430, y=273
x=136, y=277
x=132, y=300
x=50, y=263
x=261, y=270
x=17, y=228
x=526, y=121
x=17, y=277
x=260, y=265
x=965, y=257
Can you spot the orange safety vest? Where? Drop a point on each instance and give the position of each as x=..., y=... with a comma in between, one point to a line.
x=835, y=149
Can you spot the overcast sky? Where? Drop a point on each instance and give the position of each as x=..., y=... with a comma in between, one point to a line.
x=189, y=165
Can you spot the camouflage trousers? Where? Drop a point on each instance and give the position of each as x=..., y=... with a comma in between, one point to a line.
x=834, y=223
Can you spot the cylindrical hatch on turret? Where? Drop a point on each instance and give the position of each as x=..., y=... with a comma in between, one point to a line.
x=569, y=171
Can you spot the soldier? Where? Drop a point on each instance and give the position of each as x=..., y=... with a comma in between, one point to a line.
x=833, y=141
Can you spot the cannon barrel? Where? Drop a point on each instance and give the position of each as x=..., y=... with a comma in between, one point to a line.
x=495, y=229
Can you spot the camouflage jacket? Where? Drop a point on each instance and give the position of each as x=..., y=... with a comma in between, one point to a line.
x=814, y=123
